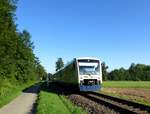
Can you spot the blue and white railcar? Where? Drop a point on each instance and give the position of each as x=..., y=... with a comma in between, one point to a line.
x=84, y=73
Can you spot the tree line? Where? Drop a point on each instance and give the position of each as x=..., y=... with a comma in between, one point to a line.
x=136, y=72
x=17, y=60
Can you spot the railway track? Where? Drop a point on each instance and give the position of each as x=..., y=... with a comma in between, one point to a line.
x=120, y=105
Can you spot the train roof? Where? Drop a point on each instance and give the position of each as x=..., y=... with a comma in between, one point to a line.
x=93, y=58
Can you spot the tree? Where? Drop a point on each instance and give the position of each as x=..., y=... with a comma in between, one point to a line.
x=104, y=71
x=59, y=64
x=17, y=60
x=8, y=38
x=25, y=58
x=49, y=74
x=113, y=75
x=136, y=72
x=40, y=71
x=132, y=71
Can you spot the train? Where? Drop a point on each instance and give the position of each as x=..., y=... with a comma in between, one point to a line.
x=84, y=74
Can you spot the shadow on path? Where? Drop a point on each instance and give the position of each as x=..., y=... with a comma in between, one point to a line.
x=24, y=103
x=34, y=89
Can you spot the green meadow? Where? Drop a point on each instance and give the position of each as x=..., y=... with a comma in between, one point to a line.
x=127, y=84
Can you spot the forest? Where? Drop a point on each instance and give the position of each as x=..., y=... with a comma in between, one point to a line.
x=136, y=72
x=18, y=63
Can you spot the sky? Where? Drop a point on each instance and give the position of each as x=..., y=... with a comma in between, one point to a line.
x=115, y=31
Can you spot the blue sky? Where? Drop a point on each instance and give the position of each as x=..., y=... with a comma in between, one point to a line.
x=116, y=31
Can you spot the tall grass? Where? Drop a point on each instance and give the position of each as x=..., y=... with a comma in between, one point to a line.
x=51, y=103
x=8, y=90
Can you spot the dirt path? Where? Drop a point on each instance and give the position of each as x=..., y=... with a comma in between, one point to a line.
x=23, y=104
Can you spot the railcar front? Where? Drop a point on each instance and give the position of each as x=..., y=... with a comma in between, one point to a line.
x=89, y=74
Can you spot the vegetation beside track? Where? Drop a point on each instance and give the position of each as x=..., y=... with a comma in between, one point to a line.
x=9, y=91
x=127, y=84
x=52, y=103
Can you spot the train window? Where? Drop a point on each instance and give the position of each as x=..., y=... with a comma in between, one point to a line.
x=88, y=60
x=89, y=70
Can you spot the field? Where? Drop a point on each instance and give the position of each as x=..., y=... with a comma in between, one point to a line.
x=51, y=103
x=127, y=84
x=138, y=91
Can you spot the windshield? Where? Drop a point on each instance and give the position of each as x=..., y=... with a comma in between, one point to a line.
x=89, y=70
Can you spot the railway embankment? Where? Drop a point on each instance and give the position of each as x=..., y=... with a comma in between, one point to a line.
x=53, y=100
x=95, y=103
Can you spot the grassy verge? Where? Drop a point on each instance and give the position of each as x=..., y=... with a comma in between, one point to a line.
x=51, y=103
x=127, y=84
x=10, y=91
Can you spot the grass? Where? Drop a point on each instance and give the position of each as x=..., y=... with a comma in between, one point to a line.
x=51, y=103
x=10, y=91
x=127, y=84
